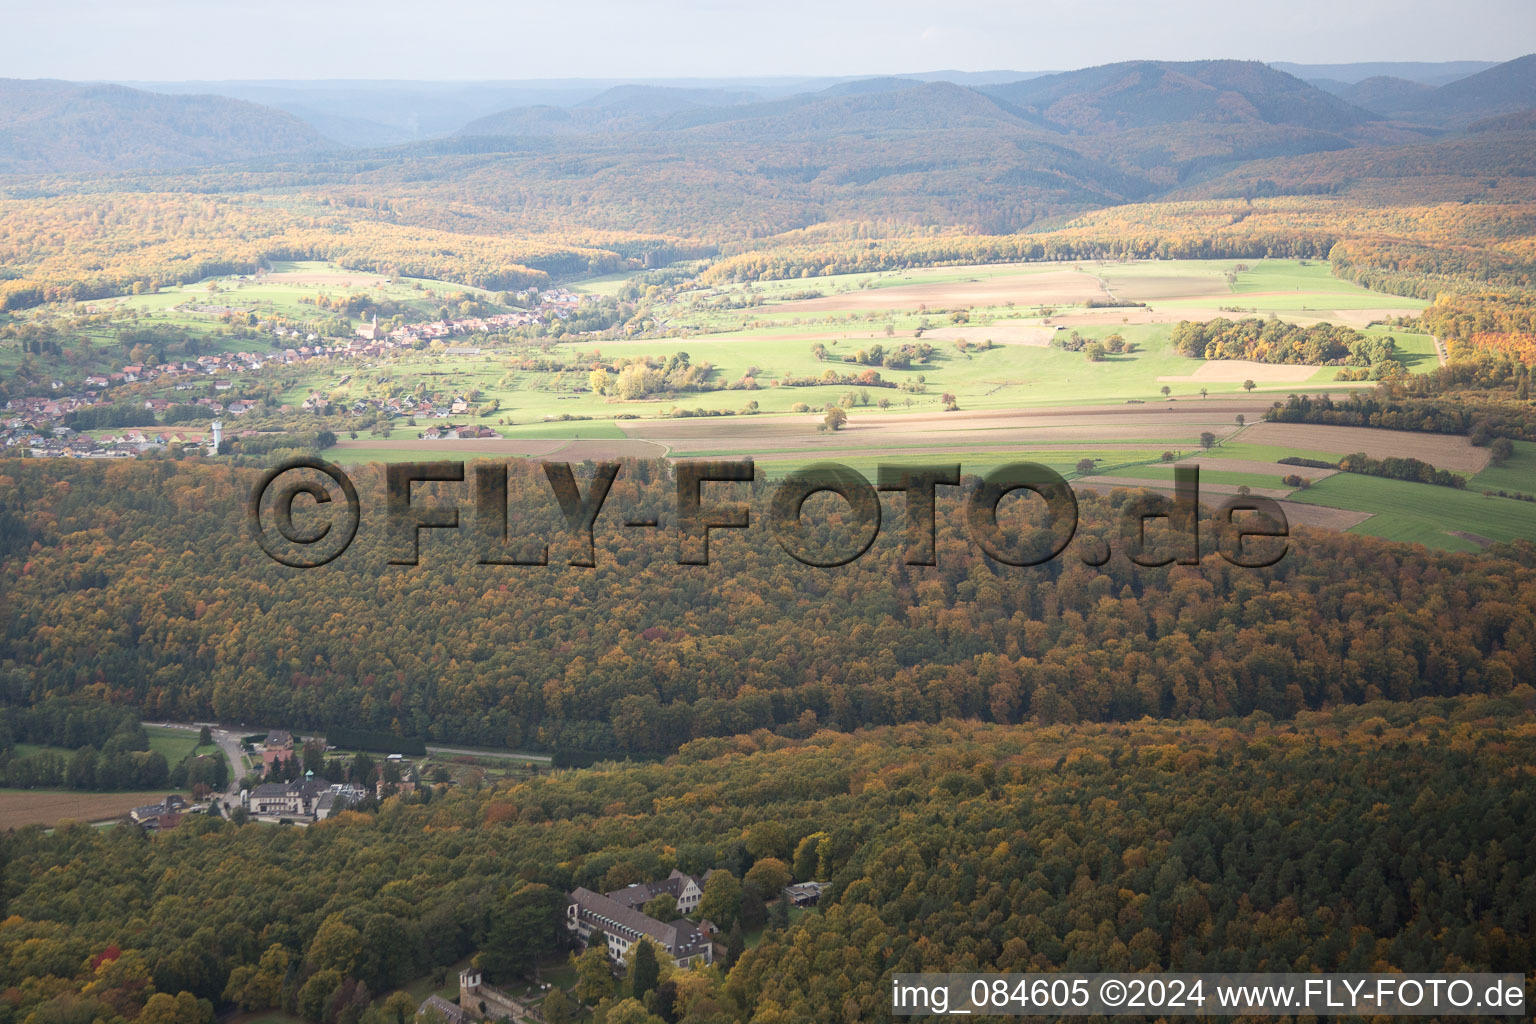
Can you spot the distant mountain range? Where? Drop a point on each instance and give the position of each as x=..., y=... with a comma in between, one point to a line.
x=1130, y=129
x=1498, y=90
x=1155, y=94
x=49, y=126
x=1127, y=130
x=1104, y=100
x=1425, y=73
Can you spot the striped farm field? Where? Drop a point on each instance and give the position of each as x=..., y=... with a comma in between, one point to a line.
x=22, y=807
x=1443, y=451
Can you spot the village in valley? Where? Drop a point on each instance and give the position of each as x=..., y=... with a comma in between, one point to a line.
x=190, y=395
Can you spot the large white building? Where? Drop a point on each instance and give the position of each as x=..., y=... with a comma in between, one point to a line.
x=310, y=797
x=618, y=917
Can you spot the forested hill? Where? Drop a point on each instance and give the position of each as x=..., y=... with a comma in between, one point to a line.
x=51, y=126
x=1134, y=94
x=1389, y=835
x=1152, y=123
x=1145, y=94
x=717, y=169
x=1047, y=144
x=139, y=583
x=1504, y=89
x=621, y=106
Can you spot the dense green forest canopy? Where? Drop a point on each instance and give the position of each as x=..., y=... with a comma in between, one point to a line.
x=138, y=584
x=1483, y=398
x=1385, y=836
x=97, y=747
x=1275, y=341
x=1322, y=765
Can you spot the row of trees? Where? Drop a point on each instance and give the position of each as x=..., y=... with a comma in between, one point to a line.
x=1092, y=237
x=141, y=241
x=86, y=769
x=896, y=357
x=1397, y=468
x=1277, y=341
x=639, y=377
x=1476, y=413
x=97, y=747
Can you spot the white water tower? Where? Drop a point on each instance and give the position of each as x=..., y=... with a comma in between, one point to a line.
x=218, y=434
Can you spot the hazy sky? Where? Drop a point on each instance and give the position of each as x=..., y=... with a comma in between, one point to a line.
x=510, y=39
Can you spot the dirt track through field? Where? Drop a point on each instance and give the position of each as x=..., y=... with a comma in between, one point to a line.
x=837, y=332
x=1235, y=371
x=1150, y=424
x=528, y=447
x=1219, y=465
x=1028, y=289
x=1157, y=484
x=1296, y=513
x=361, y=279
x=1005, y=333
x=1172, y=315
x=558, y=448
x=958, y=451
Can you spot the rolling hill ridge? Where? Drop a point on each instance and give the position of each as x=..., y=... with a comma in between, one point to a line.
x=51, y=126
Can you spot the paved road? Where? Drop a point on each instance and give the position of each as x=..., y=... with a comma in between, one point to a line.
x=229, y=742
x=539, y=758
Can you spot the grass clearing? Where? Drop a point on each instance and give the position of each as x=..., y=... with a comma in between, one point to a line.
x=175, y=744
x=1437, y=517
x=172, y=744
x=443, y=981
x=602, y=430
x=1518, y=474
x=1162, y=471
x=1241, y=449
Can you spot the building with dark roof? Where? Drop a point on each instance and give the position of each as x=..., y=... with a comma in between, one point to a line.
x=588, y=912
x=150, y=814
x=686, y=889
x=437, y=1010
x=279, y=744
x=310, y=797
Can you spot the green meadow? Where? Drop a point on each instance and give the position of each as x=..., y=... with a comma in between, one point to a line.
x=1063, y=461
x=767, y=331
x=1438, y=517
x=1518, y=474
x=173, y=744
x=1163, y=471
x=772, y=340
x=272, y=295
